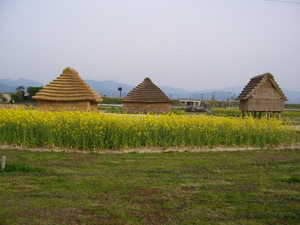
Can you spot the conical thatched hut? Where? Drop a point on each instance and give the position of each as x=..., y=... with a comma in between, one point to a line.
x=68, y=92
x=262, y=94
x=146, y=97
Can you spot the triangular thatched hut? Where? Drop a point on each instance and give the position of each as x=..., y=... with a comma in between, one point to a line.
x=146, y=97
x=68, y=92
x=262, y=94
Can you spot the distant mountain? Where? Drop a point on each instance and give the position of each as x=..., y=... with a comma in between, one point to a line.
x=6, y=89
x=236, y=89
x=175, y=93
x=225, y=93
x=218, y=95
x=110, y=89
x=20, y=82
x=293, y=96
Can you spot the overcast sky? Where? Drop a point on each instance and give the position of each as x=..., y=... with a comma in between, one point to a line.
x=189, y=44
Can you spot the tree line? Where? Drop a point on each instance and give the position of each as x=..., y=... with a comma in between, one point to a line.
x=21, y=94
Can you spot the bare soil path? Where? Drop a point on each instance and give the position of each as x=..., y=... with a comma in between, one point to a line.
x=155, y=149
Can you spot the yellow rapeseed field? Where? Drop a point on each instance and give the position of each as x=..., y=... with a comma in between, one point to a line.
x=86, y=130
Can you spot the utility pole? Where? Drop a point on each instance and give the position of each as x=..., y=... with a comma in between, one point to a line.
x=120, y=90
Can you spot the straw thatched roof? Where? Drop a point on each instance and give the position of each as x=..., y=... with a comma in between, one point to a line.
x=256, y=83
x=147, y=92
x=68, y=87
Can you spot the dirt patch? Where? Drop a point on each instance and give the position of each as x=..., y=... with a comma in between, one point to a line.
x=155, y=149
x=143, y=192
x=295, y=127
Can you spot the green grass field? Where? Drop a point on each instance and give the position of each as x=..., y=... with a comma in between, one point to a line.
x=237, y=187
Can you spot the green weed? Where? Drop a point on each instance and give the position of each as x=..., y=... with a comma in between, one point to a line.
x=21, y=168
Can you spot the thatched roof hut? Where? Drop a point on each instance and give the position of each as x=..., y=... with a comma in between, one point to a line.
x=68, y=92
x=146, y=97
x=262, y=94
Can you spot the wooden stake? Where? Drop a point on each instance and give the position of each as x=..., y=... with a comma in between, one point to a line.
x=3, y=162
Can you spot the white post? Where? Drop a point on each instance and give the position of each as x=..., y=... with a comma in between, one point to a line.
x=3, y=162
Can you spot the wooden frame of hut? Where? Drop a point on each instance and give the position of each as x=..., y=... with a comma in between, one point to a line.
x=68, y=92
x=262, y=95
x=145, y=98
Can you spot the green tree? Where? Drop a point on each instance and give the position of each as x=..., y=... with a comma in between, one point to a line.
x=21, y=90
x=16, y=97
x=32, y=91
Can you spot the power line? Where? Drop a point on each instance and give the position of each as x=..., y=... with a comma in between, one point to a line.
x=283, y=1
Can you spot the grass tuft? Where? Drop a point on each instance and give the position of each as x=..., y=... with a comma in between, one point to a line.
x=291, y=180
x=21, y=168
